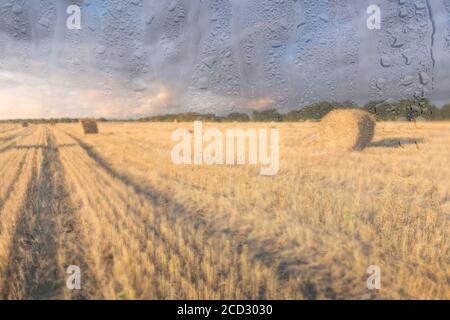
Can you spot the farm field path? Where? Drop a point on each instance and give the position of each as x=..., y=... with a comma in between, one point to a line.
x=44, y=232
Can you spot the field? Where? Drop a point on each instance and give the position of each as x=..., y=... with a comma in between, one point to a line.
x=140, y=227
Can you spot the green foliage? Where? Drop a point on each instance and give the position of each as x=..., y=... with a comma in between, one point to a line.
x=409, y=109
x=316, y=111
x=183, y=117
x=384, y=110
x=267, y=116
x=445, y=112
x=239, y=117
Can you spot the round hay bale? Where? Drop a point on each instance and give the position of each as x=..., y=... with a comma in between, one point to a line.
x=347, y=129
x=89, y=126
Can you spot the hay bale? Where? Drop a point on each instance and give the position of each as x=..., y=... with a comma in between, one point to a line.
x=89, y=126
x=347, y=129
x=25, y=124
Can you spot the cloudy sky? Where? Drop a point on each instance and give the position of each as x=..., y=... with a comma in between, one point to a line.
x=134, y=58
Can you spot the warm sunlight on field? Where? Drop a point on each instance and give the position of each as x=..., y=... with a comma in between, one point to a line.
x=141, y=227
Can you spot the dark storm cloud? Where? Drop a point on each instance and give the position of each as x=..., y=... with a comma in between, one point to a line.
x=140, y=57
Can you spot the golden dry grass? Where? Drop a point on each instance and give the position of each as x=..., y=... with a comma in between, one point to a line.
x=142, y=227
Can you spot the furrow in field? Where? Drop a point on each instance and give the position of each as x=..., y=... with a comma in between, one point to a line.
x=9, y=157
x=21, y=174
x=11, y=141
x=8, y=130
x=71, y=251
x=11, y=165
x=45, y=241
x=6, y=137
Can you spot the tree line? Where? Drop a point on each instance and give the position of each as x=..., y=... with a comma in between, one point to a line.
x=402, y=110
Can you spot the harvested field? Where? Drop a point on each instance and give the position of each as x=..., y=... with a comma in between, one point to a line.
x=140, y=227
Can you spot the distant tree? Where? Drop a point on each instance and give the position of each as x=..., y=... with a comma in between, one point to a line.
x=434, y=113
x=410, y=109
x=346, y=104
x=445, y=112
x=239, y=117
x=210, y=117
x=188, y=117
x=317, y=110
x=383, y=110
x=183, y=117
x=267, y=115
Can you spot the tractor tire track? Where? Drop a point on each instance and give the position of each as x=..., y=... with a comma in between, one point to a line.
x=43, y=234
x=269, y=258
x=10, y=142
x=18, y=158
x=288, y=266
